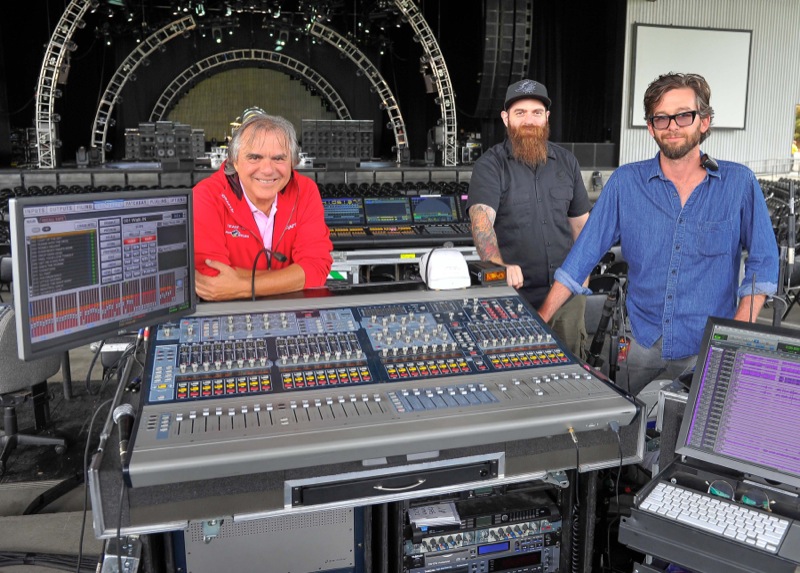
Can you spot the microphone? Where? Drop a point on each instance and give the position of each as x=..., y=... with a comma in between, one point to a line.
x=708, y=162
x=124, y=417
x=270, y=254
x=280, y=257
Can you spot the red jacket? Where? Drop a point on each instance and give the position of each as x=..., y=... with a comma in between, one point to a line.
x=225, y=231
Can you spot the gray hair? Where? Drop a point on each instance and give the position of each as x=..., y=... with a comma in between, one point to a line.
x=257, y=124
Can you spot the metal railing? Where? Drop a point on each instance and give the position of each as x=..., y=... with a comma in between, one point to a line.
x=774, y=168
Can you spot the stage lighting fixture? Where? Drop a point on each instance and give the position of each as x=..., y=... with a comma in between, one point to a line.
x=283, y=38
x=216, y=33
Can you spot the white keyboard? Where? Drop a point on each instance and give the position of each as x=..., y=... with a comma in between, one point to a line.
x=717, y=515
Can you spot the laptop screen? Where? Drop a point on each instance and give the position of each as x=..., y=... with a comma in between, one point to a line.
x=743, y=410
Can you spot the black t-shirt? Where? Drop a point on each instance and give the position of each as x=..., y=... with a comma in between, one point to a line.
x=533, y=209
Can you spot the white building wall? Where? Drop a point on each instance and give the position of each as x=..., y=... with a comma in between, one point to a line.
x=773, y=86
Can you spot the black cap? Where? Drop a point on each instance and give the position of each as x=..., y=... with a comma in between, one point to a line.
x=526, y=89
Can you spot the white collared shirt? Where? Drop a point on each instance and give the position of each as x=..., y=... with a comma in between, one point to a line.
x=264, y=221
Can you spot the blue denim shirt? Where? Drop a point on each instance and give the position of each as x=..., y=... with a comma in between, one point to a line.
x=683, y=262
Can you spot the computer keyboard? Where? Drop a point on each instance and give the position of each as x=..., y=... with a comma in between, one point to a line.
x=717, y=515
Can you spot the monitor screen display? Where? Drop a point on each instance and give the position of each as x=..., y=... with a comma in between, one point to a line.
x=434, y=209
x=343, y=211
x=90, y=266
x=744, y=404
x=387, y=210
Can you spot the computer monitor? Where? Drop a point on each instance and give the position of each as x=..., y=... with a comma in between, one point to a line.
x=343, y=211
x=86, y=267
x=744, y=405
x=387, y=210
x=434, y=209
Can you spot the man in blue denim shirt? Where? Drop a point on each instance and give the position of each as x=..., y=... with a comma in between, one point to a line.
x=682, y=222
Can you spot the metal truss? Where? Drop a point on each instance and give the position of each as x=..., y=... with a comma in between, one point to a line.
x=185, y=79
x=388, y=101
x=124, y=73
x=60, y=42
x=52, y=67
x=433, y=55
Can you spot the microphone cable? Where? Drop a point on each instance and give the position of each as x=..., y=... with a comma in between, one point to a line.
x=253, y=272
x=269, y=254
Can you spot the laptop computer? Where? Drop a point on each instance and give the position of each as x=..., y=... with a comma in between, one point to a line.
x=739, y=439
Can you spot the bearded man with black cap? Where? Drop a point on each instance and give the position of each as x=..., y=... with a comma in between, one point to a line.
x=528, y=204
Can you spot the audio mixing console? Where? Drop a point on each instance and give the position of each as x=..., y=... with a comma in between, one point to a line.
x=245, y=387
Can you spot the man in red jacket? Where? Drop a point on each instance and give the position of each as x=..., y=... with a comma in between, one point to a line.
x=259, y=226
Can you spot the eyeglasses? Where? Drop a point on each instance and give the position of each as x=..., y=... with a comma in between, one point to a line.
x=683, y=119
x=752, y=497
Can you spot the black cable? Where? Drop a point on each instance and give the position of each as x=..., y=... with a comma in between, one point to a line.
x=619, y=470
x=67, y=485
x=24, y=107
x=129, y=352
x=52, y=494
x=253, y=273
x=119, y=521
x=87, y=382
x=86, y=480
x=48, y=560
x=428, y=266
x=614, y=427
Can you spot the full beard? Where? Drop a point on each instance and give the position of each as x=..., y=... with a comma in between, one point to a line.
x=529, y=143
x=678, y=151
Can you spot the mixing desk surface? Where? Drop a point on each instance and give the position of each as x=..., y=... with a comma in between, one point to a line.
x=245, y=387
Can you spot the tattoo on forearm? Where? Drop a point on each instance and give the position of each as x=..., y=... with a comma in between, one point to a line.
x=483, y=234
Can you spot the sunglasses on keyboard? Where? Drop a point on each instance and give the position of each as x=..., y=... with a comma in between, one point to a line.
x=752, y=496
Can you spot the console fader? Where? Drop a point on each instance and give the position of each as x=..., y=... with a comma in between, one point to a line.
x=250, y=387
